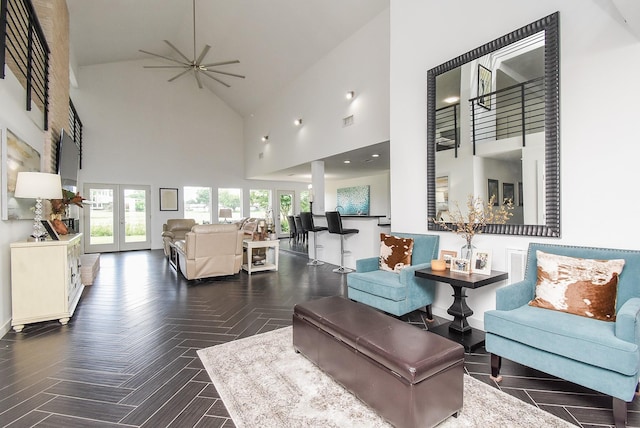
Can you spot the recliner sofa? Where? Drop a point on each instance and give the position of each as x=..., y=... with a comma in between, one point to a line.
x=174, y=230
x=210, y=250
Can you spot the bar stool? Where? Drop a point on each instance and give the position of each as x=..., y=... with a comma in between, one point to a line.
x=302, y=234
x=307, y=224
x=292, y=229
x=334, y=223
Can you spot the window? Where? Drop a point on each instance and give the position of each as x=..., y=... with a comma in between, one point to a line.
x=305, y=206
x=230, y=198
x=259, y=202
x=197, y=204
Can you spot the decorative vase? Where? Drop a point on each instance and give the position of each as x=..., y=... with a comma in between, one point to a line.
x=467, y=251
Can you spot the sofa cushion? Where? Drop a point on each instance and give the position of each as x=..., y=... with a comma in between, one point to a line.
x=583, y=339
x=395, y=252
x=379, y=283
x=584, y=287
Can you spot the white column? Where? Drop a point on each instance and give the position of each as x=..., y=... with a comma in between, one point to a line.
x=317, y=180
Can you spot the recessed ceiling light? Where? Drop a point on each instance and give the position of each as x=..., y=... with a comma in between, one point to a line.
x=347, y=161
x=265, y=138
x=375, y=155
x=451, y=100
x=297, y=122
x=350, y=95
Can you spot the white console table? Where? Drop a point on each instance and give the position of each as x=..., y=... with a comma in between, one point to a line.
x=269, y=264
x=45, y=280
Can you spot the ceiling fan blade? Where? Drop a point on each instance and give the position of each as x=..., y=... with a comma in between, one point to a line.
x=235, y=61
x=179, y=53
x=166, y=57
x=225, y=73
x=181, y=74
x=166, y=66
x=198, y=79
x=203, y=54
x=216, y=79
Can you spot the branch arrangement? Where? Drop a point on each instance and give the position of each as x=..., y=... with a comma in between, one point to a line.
x=478, y=216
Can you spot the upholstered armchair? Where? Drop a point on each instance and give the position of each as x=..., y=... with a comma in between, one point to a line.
x=396, y=293
x=600, y=354
x=174, y=230
x=210, y=250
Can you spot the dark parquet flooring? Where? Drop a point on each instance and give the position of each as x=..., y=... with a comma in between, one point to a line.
x=128, y=356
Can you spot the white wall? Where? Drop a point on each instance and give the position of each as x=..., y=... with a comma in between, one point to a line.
x=599, y=151
x=378, y=192
x=359, y=64
x=140, y=129
x=28, y=126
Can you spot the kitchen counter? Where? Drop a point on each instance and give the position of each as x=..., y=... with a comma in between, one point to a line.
x=365, y=243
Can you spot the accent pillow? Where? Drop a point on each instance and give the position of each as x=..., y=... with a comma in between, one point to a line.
x=395, y=252
x=584, y=287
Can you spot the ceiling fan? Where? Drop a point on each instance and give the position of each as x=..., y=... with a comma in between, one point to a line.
x=195, y=64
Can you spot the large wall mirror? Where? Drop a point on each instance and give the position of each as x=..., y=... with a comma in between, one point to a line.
x=494, y=129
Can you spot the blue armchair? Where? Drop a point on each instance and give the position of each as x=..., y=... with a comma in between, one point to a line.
x=396, y=293
x=600, y=355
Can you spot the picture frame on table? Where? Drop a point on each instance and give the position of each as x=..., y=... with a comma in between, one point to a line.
x=447, y=255
x=481, y=261
x=460, y=265
x=168, y=199
x=50, y=230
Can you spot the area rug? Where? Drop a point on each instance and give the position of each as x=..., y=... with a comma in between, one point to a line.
x=263, y=382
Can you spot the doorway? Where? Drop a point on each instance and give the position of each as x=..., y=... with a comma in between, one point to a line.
x=284, y=208
x=118, y=218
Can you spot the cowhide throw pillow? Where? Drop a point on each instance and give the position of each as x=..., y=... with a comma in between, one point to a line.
x=583, y=287
x=395, y=252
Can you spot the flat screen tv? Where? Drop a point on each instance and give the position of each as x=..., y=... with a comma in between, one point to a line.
x=68, y=161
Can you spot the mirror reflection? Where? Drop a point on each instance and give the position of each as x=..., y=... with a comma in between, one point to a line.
x=504, y=124
x=493, y=130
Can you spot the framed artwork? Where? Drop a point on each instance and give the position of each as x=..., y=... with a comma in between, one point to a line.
x=447, y=256
x=460, y=265
x=481, y=262
x=484, y=87
x=520, y=194
x=492, y=190
x=507, y=193
x=168, y=199
x=17, y=156
x=353, y=200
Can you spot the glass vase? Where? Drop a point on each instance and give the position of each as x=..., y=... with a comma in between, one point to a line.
x=467, y=251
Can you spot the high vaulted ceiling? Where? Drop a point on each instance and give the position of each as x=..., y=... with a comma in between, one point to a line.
x=275, y=40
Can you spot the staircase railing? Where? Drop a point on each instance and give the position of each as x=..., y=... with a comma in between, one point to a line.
x=448, y=128
x=24, y=49
x=514, y=111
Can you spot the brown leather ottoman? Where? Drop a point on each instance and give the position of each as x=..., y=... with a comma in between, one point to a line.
x=410, y=377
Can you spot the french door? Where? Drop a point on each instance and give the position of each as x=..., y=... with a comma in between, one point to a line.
x=118, y=218
x=284, y=208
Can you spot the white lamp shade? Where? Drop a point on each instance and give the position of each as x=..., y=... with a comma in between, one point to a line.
x=38, y=185
x=225, y=213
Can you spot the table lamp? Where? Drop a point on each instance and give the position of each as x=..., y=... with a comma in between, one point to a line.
x=225, y=213
x=38, y=186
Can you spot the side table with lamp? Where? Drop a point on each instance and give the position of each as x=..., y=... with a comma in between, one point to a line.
x=45, y=275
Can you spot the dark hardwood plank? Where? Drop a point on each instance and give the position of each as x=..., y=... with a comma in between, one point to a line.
x=128, y=356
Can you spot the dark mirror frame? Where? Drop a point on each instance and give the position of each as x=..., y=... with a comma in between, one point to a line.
x=550, y=25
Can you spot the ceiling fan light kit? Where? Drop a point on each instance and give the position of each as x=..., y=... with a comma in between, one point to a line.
x=194, y=65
